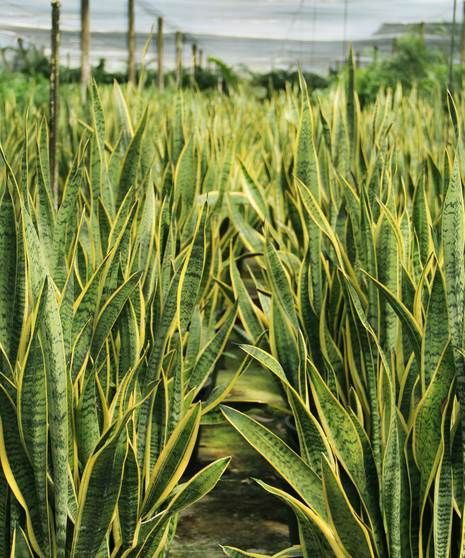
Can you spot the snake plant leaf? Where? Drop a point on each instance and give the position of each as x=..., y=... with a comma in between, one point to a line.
x=314, y=531
x=98, y=495
x=18, y=472
x=436, y=328
x=389, y=275
x=308, y=315
x=191, y=274
x=111, y=311
x=129, y=500
x=20, y=546
x=8, y=262
x=313, y=442
x=85, y=310
x=254, y=194
x=408, y=321
x=64, y=221
x=66, y=312
x=172, y=461
x=20, y=292
x=57, y=397
x=281, y=457
x=443, y=489
x=453, y=237
x=348, y=446
x=427, y=422
x=368, y=255
x=266, y=360
x=98, y=164
x=46, y=209
x=4, y=515
x=146, y=234
x=247, y=309
x=251, y=238
x=129, y=168
x=280, y=283
x=178, y=128
x=285, y=344
x=394, y=489
x=185, y=176
x=153, y=544
x=166, y=324
x=87, y=419
x=32, y=419
x=98, y=114
x=198, y=486
x=35, y=255
x=347, y=527
x=236, y=553
x=422, y=221
x=209, y=356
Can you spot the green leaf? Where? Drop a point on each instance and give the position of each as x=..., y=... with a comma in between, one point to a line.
x=172, y=461
x=191, y=274
x=98, y=494
x=287, y=463
x=111, y=311
x=209, y=356
x=348, y=528
x=8, y=254
x=128, y=174
x=57, y=388
x=129, y=500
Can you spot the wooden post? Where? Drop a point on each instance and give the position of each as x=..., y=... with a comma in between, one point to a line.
x=346, y=19
x=178, y=58
x=54, y=99
x=452, y=46
x=194, y=63
x=421, y=32
x=85, y=45
x=131, y=42
x=462, y=38
x=160, y=45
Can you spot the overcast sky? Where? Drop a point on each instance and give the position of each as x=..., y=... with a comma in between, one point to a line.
x=280, y=19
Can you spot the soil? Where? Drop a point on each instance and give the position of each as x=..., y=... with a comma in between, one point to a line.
x=237, y=512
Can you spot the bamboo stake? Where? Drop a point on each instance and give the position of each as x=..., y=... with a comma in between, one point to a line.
x=452, y=46
x=85, y=45
x=178, y=58
x=194, y=63
x=54, y=99
x=131, y=42
x=462, y=38
x=160, y=45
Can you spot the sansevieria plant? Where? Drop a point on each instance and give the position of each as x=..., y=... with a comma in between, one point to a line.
x=323, y=238
x=111, y=324
x=362, y=274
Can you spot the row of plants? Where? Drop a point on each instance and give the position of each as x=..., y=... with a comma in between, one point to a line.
x=327, y=239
